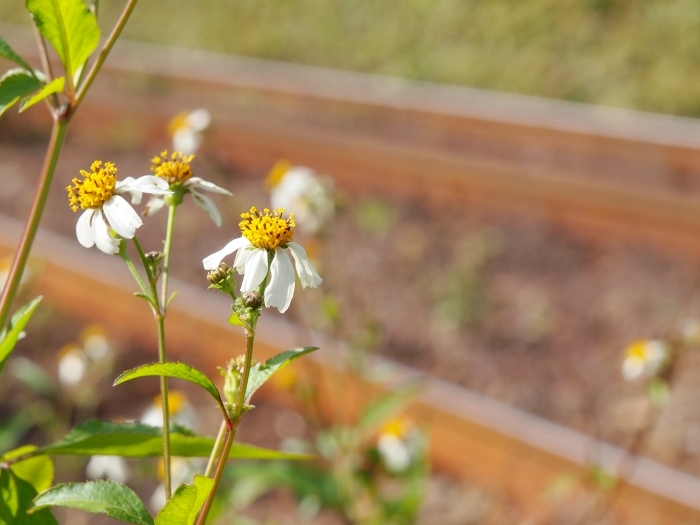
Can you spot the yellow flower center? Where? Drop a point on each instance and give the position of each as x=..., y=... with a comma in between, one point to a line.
x=637, y=351
x=175, y=170
x=96, y=188
x=267, y=230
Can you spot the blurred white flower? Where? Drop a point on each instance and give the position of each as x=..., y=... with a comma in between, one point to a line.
x=265, y=246
x=99, y=194
x=109, y=467
x=177, y=172
x=398, y=445
x=301, y=191
x=181, y=411
x=187, y=129
x=644, y=358
x=72, y=365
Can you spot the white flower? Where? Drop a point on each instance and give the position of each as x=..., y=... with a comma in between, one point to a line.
x=187, y=128
x=644, y=358
x=72, y=365
x=181, y=411
x=110, y=467
x=398, y=445
x=176, y=171
x=301, y=191
x=99, y=194
x=266, y=245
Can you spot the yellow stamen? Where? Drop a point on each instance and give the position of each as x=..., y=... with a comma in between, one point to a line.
x=177, y=123
x=397, y=427
x=278, y=171
x=96, y=189
x=175, y=170
x=176, y=401
x=267, y=230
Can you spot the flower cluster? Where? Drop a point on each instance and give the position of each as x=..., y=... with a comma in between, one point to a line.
x=264, y=248
x=644, y=358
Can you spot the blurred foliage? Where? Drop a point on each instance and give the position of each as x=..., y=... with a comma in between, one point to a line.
x=640, y=54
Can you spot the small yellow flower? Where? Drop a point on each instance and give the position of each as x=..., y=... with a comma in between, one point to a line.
x=267, y=230
x=95, y=189
x=174, y=170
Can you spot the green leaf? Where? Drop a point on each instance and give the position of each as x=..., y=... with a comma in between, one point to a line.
x=183, y=507
x=16, y=497
x=235, y=320
x=55, y=86
x=38, y=471
x=7, y=52
x=176, y=370
x=137, y=440
x=99, y=497
x=15, y=84
x=387, y=407
x=261, y=372
x=70, y=27
x=10, y=336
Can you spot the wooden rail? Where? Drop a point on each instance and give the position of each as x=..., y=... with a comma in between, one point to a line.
x=472, y=437
x=624, y=171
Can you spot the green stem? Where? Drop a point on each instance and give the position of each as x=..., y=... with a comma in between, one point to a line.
x=132, y=268
x=58, y=135
x=230, y=430
x=166, y=408
x=166, y=257
x=97, y=65
x=216, y=450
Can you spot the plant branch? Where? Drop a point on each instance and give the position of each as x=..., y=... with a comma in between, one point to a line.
x=97, y=65
x=58, y=135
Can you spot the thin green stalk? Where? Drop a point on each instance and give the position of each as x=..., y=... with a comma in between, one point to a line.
x=166, y=257
x=58, y=135
x=132, y=268
x=216, y=450
x=159, y=314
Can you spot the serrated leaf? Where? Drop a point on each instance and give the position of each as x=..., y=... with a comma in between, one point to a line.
x=261, y=372
x=183, y=507
x=55, y=86
x=176, y=370
x=16, y=497
x=387, y=407
x=7, y=52
x=15, y=84
x=10, y=336
x=36, y=470
x=99, y=497
x=137, y=440
x=70, y=27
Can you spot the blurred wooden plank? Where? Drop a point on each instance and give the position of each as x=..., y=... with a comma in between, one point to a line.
x=472, y=437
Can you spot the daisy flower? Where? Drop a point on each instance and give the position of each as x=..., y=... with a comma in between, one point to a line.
x=265, y=246
x=644, y=358
x=299, y=189
x=108, y=217
x=177, y=172
x=187, y=129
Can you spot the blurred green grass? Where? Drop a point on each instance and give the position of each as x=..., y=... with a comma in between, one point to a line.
x=642, y=54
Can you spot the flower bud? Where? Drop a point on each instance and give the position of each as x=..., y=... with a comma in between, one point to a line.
x=218, y=275
x=252, y=300
x=154, y=258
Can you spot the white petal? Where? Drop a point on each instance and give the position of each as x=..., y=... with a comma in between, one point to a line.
x=84, y=228
x=207, y=205
x=255, y=270
x=154, y=205
x=186, y=141
x=146, y=184
x=121, y=216
x=242, y=257
x=212, y=261
x=200, y=184
x=103, y=239
x=307, y=273
x=280, y=289
x=199, y=119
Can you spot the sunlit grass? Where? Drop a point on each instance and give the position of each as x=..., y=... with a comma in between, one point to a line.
x=641, y=54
